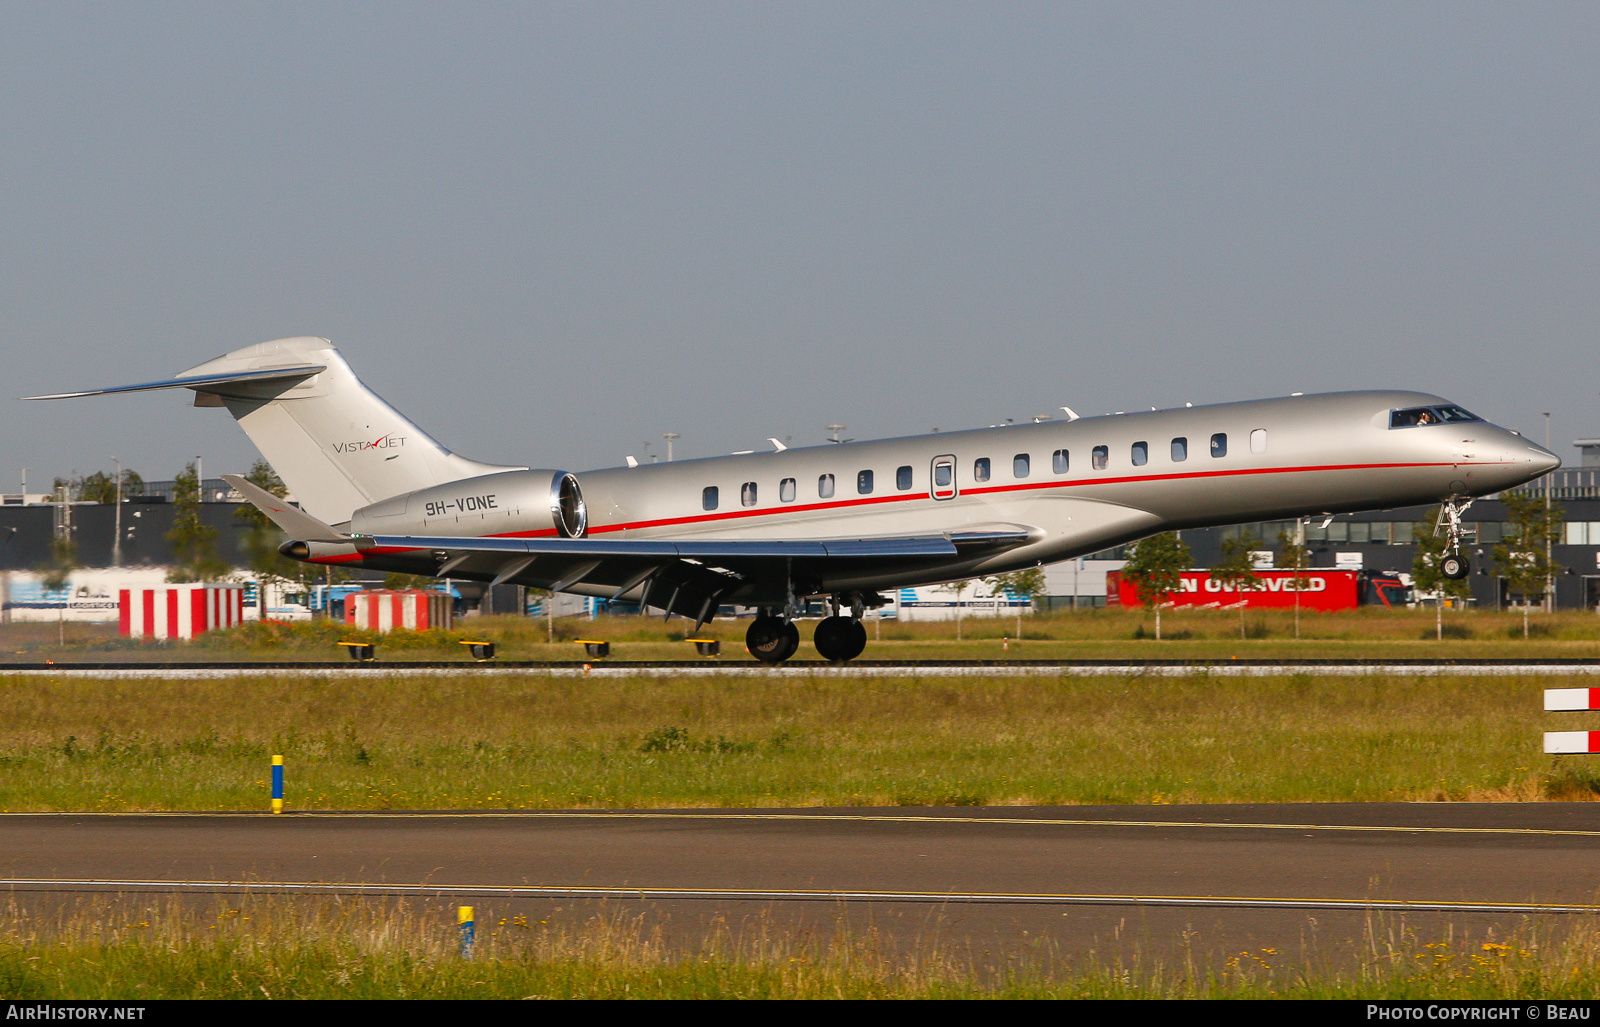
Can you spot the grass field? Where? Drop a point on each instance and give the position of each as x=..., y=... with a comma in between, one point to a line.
x=274, y=948
x=522, y=740
x=1206, y=635
x=526, y=739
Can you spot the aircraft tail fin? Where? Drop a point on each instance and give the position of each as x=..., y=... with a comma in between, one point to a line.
x=335, y=443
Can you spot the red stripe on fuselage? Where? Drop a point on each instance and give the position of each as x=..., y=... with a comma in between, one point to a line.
x=907, y=496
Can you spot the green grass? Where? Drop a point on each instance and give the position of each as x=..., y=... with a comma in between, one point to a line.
x=529, y=740
x=133, y=950
x=1201, y=635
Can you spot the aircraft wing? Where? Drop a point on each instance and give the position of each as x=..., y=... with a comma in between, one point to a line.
x=690, y=577
x=945, y=544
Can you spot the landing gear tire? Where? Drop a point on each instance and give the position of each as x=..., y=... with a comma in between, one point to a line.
x=771, y=639
x=1454, y=566
x=840, y=638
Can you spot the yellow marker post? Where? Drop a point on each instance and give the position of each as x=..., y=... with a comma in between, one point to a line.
x=465, y=920
x=277, y=784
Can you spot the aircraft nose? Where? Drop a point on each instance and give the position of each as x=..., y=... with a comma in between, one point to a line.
x=1541, y=460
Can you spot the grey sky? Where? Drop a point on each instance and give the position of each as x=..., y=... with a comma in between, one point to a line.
x=550, y=232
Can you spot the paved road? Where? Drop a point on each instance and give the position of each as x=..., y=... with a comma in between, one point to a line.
x=1227, y=878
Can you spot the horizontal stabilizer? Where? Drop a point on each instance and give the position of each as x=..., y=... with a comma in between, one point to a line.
x=200, y=382
x=297, y=524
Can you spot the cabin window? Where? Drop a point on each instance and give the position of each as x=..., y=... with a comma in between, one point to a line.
x=708, y=498
x=1219, y=444
x=825, y=486
x=864, y=482
x=1180, y=450
x=1059, y=461
x=1019, y=465
x=980, y=469
x=1099, y=457
x=1258, y=441
x=942, y=474
x=786, y=490
x=902, y=478
x=1141, y=453
x=747, y=493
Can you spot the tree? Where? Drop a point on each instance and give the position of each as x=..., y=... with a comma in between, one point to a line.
x=1237, y=569
x=194, y=545
x=957, y=587
x=262, y=537
x=1426, y=576
x=1155, y=570
x=1523, y=558
x=1025, y=584
x=57, y=571
x=101, y=487
x=1293, y=556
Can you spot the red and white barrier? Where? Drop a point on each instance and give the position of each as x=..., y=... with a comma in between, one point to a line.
x=383, y=610
x=1571, y=699
x=1564, y=742
x=178, y=611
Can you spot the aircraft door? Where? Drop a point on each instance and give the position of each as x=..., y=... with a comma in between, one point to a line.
x=942, y=482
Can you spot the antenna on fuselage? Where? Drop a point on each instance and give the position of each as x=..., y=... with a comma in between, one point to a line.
x=1071, y=414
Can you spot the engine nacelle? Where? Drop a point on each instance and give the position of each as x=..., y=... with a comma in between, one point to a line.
x=494, y=504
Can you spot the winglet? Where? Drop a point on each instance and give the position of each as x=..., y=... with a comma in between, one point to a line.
x=297, y=524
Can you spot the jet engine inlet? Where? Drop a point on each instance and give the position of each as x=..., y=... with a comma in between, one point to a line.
x=567, y=506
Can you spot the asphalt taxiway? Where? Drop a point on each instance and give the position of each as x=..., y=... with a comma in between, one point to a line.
x=1145, y=882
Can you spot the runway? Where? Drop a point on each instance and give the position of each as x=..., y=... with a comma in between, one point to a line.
x=1145, y=882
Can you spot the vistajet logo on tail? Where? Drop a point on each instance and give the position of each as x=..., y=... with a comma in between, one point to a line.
x=390, y=441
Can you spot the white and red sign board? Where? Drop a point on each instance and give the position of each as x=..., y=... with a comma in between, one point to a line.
x=1317, y=590
x=383, y=610
x=178, y=611
x=1571, y=699
x=1562, y=742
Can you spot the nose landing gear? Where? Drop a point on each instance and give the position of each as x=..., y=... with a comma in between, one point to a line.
x=1453, y=564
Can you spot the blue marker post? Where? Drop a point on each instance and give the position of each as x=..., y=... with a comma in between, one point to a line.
x=277, y=784
x=467, y=924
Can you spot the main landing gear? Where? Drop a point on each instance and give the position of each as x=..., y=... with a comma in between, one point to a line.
x=1453, y=564
x=772, y=638
x=840, y=638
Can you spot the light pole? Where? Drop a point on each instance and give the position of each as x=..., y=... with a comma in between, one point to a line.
x=116, y=522
x=1549, y=579
x=669, y=436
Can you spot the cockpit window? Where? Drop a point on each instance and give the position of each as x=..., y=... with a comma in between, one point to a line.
x=1416, y=417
